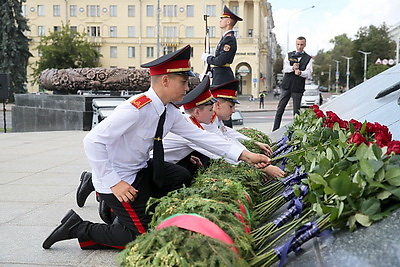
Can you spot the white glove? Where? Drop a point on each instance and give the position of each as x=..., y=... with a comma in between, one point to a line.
x=204, y=56
x=202, y=75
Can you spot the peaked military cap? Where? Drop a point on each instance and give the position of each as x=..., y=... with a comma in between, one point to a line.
x=200, y=95
x=227, y=91
x=229, y=14
x=177, y=62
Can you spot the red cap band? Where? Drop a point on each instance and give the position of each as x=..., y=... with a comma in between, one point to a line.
x=201, y=99
x=225, y=93
x=171, y=67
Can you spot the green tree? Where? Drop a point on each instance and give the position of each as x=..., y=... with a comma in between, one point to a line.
x=65, y=49
x=375, y=40
x=14, y=45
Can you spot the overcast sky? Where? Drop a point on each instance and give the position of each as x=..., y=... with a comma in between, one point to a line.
x=328, y=19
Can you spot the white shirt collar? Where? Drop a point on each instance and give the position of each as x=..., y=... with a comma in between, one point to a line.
x=158, y=104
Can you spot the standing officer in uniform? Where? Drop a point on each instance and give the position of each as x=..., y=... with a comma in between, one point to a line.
x=226, y=50
x=297, y=67
x=118, y=152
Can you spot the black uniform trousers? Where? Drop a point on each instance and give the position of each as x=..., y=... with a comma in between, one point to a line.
x=284, y=99
x=132, y=219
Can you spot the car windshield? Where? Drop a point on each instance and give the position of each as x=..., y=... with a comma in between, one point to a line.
x=311, y=92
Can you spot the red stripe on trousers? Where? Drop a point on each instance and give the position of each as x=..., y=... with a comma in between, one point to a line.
x=134, y=217
x=92, y=243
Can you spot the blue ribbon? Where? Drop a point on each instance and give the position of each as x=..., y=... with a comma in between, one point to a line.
x=305, y=233
x=303, y=191
x=295, y=208
x=282, y=141
x=288, y=193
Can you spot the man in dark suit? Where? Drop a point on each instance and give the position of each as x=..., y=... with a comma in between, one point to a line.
x=297, y=67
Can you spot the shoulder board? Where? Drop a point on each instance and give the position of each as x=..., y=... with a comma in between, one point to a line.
x=213, y=117
x=229, y=34
x=196, y=122
x=140, y=101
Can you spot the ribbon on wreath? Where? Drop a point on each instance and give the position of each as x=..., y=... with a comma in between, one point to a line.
x=196, y=223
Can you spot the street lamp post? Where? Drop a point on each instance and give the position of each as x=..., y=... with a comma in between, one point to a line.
x=347, y=72
x=337, y=75
x=365, y=63
x=329, y=77
x=287, y=41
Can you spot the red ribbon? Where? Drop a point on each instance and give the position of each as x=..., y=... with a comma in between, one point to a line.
x=198, y=224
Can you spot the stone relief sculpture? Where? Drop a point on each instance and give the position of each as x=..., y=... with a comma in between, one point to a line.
x=111, y=79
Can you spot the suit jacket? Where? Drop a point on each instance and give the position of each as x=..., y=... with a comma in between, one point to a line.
x=293, y=82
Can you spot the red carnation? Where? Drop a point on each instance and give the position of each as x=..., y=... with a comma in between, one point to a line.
x=333, y=116
x=343, y=124
x=357, y=139
x=319, y=113
x=370, y=127
x=394, y=146
x=357, y=124
x=382, y=139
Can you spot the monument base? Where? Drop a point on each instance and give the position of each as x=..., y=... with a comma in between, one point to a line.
x=36, y=113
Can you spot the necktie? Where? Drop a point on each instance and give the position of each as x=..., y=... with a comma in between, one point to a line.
x=158, y=152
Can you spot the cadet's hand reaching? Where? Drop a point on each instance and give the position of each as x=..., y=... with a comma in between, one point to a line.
x=274, y=171
x=264, y=147
x=258, y=160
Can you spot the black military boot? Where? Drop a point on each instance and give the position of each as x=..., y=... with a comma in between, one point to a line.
x=84, y=189
x=66, y=230
x=105, y=213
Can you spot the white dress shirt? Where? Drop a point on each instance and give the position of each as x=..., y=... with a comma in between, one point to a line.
x=307, y=73
x=119, y=146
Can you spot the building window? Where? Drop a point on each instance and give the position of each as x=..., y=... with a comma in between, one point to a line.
x=113, y=52
x=235, y=9
x=40, y=10
x=56, y=28
x=170, y=11
x=93, y=10
x=131, y=31
x=190, y=10
x=169, y=49
x=131, y=11
x=41, y=31
x=149, y=31
x=113, y=31
x=211, y=10
x=170, y=31
x=131, y=51
x=113, y=11
x=149, y=10
x=93, y=30
x=150, y=51
x=73, y=10
x=73, y=29
x=24, y=10
x=250, y=33
x=211, y=31
x=189, y=31
x=56, y=10
x=235, y=31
